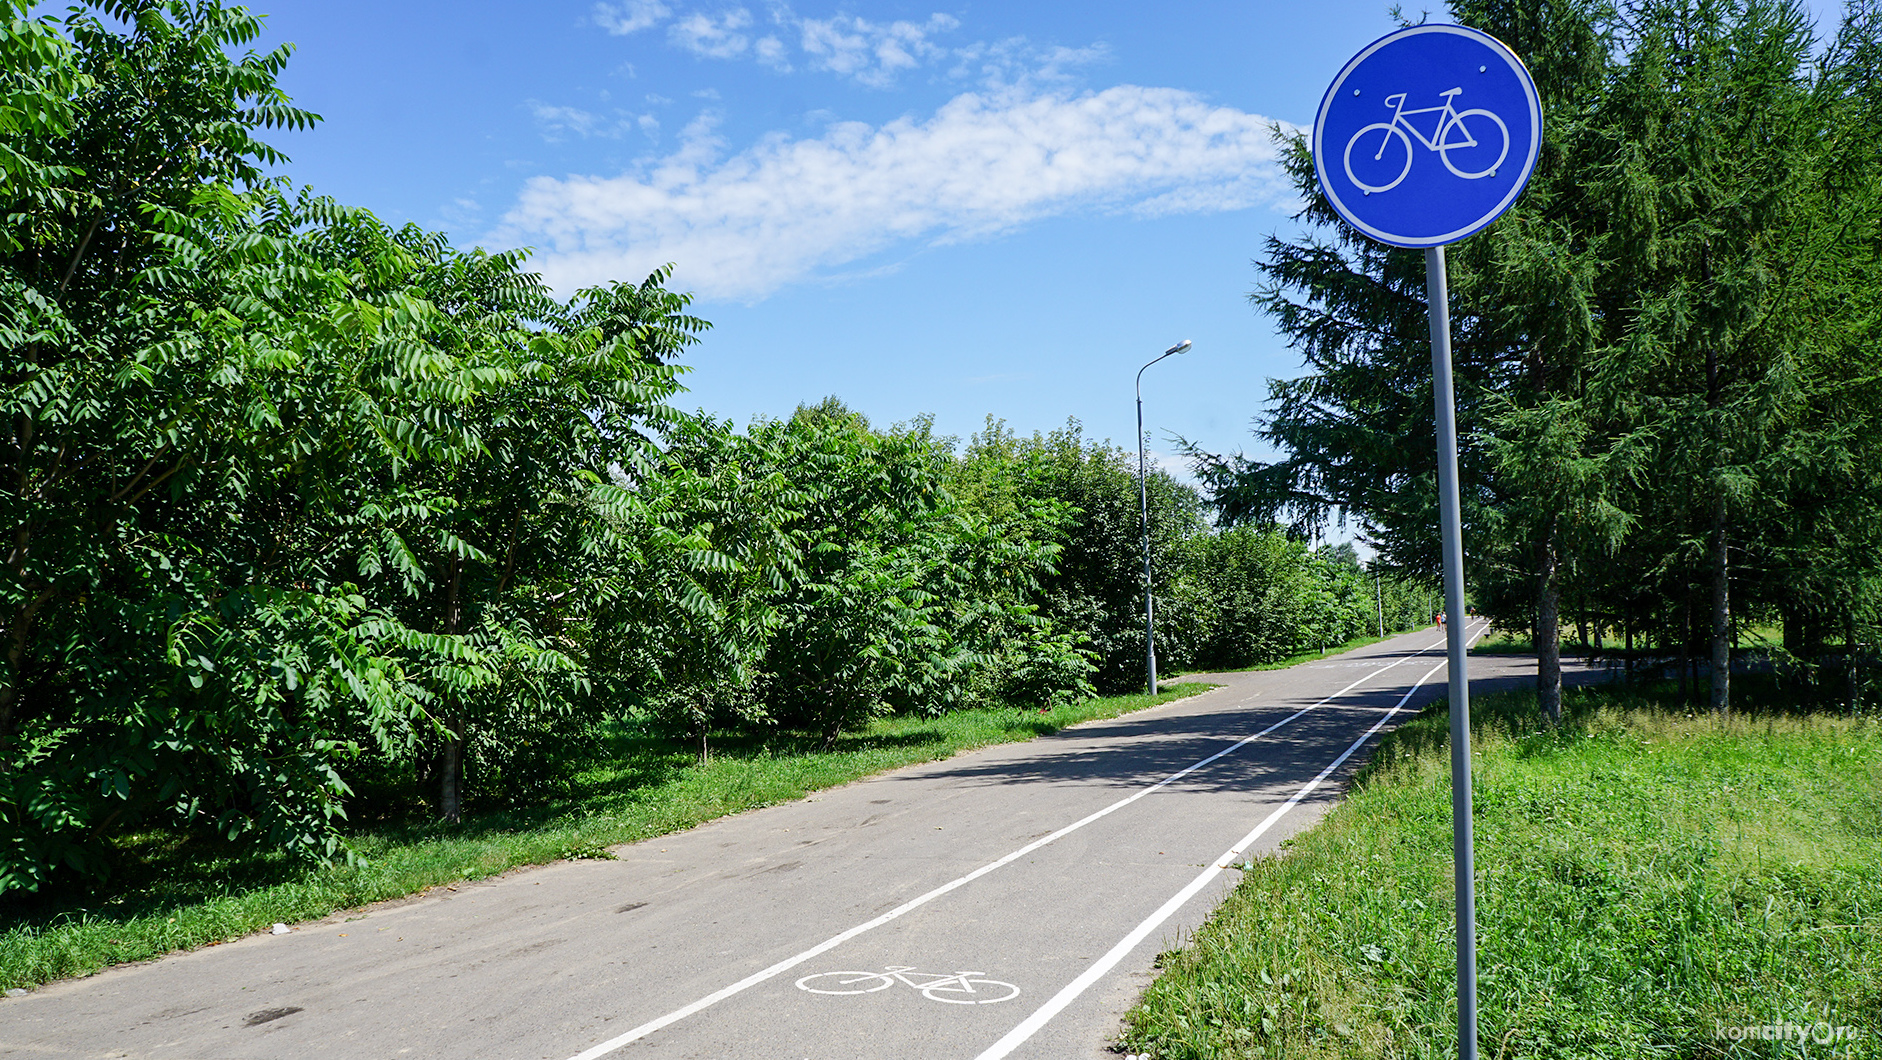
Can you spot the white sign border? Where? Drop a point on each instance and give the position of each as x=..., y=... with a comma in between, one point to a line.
x=1522, y=182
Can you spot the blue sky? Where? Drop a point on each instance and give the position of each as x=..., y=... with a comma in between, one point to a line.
x=955, y=209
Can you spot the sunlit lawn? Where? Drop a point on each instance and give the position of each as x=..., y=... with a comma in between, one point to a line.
x=1646, y=877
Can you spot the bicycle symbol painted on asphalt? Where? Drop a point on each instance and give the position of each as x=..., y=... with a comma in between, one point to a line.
x=961, y=988
x=1392, y=161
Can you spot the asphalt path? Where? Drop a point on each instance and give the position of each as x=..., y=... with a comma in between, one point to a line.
x=1005, y=902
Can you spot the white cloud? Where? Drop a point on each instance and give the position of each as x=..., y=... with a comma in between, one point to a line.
x=770, y=52
x=631, y=16
x=785, y=209
x=558, y=123
x=716, y=38
x=1017, y=61
x=561, y=123
x=870, y=52
x=462, y=211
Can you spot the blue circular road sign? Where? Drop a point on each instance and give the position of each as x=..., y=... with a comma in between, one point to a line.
x=1427, y=135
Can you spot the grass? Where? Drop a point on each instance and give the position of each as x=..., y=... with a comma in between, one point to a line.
x=1519, y=642
x=1307, y=656
x=178, y=892
x=1646, y=879
x=1505, y=642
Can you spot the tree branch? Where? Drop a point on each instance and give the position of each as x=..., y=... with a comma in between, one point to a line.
x=139, y=477
x=96, y=220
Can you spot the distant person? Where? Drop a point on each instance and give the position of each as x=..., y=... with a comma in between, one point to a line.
x=1440, y=620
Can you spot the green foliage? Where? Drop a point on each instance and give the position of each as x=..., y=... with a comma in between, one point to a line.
x=1665, y=352
x=309, y=517
x=706, y=548
x=286, y=490
x=1224, y=600
x=1085, y=493
x=1264, y=596
x=859, y=583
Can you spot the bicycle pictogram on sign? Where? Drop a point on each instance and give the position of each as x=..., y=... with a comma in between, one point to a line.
x=1389, y=165
x=960, y=988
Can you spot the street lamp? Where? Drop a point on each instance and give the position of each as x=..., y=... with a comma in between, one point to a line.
x=1143, y=508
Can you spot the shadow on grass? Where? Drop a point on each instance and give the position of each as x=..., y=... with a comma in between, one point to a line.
x=156, y=874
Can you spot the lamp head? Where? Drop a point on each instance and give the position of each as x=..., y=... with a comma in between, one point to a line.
x=1181, y=347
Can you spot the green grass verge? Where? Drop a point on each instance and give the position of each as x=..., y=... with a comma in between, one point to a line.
x=1505, y=642
x=1646, y=880
x=179, y=892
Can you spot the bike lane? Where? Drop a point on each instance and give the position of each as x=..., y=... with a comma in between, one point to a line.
x=554, y=961
x=1046, y=919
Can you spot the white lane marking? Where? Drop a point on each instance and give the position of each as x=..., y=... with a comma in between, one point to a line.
x=1031, y=1024
x=912, y=904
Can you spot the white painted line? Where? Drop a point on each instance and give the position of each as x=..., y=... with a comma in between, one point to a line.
x=1031, y=1025
x=912, y=904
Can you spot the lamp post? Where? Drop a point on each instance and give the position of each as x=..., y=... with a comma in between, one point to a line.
x=1143, y=509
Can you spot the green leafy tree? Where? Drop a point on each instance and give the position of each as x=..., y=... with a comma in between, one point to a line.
x=1639, y=341
x=904, y=595
x=1097, y=586
x=1260, y=599
x=256, y=491
x=121, y=398
x=704, y=554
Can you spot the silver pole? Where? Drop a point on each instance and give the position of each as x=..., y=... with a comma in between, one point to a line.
x=1143, y=513
x=1437, y=295
x=1143, y=508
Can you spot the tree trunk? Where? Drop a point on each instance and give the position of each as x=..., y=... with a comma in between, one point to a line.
x=1628, y=626
x=16, y=636
x=1849, y=660
x=1685, y=654
x=1721, y=615
x=451, y=773
x=1548, y=633
x=1721, y=625
x=1792, y=621
x=451, y=763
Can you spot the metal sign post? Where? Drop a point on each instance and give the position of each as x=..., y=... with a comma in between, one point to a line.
x=1463, y=843
x=1425, y=137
